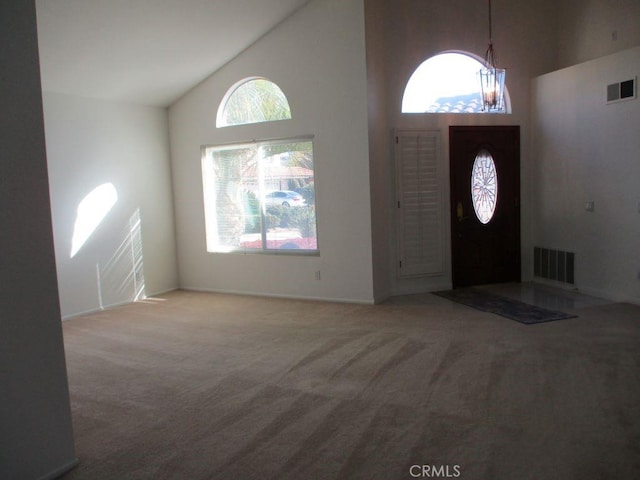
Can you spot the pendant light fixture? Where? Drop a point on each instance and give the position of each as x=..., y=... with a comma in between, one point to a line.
x=492, y=78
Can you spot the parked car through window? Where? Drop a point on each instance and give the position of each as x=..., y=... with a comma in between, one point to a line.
x=285, y=198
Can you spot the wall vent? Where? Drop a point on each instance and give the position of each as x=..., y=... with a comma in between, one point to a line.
x=620, y=91
x=554, y=264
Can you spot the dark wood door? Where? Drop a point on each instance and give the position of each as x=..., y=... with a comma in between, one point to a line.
x=485, y=204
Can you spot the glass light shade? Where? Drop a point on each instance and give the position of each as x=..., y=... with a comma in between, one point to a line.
x=492, y=88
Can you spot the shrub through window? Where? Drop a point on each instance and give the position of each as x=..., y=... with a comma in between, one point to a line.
x=260, y=197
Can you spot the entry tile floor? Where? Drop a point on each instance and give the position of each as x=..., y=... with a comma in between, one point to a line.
x=540, y=295
x=545, y=296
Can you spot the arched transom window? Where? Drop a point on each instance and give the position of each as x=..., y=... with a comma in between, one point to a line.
x=253, y=100
x=446, y=83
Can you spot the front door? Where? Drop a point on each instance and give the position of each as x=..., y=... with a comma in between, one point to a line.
x=485, y=204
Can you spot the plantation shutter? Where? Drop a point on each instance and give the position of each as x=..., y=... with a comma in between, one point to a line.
x=419, y=203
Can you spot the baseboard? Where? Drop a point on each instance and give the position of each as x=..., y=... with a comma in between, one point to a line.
x=614, y=297
x=58, y=472
x=569, y=287
x=162, y=292
x=95, y=310
x=593, y=292
x=114, y=305
x=420, y=289
x=277, y=295
x=382, y=297
x=83, y=313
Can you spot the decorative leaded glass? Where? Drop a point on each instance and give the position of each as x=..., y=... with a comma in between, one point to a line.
x=484, y=186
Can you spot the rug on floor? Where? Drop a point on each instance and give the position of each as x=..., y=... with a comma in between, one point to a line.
x=506, y=307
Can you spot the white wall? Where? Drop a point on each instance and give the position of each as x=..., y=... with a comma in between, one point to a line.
x=317, y=57
x=417, y=30
x=35, y=420
x=594, y=28
x=585, y=150
x=96, y=142
x=379, y=147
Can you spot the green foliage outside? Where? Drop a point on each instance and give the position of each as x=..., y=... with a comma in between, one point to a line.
x=252, y=216
x=302, y=218
x=257, y=100
x=239, y=210
x=308, y=192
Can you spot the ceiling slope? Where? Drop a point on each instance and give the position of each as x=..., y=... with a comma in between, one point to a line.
x=146, y=52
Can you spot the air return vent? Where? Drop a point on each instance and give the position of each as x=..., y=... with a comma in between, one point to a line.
x=617, y=92
x=553, y=264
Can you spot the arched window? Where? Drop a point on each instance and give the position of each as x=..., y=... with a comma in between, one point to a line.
x=446, y=83
x=253, y=100
x=259, y=196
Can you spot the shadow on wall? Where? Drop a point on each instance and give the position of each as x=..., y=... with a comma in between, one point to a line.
x=121, y=278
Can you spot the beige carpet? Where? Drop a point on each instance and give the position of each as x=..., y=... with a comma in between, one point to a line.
x=205, y=386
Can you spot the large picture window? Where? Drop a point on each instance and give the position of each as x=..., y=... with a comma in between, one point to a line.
x=260, y=197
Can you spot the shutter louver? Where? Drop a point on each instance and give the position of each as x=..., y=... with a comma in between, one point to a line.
x=419, y=204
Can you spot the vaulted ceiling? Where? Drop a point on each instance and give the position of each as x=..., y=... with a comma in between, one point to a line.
x=146, y=52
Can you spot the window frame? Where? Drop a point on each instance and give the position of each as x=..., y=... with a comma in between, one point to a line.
x=411, y=80
x=233, y=90
x=210, y=213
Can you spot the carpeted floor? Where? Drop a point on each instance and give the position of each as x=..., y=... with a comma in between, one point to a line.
x=197, y=386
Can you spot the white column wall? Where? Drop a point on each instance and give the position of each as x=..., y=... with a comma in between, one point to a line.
x=36, y=437
x=587, y=151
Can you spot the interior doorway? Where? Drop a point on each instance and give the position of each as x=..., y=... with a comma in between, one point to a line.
x=485, y=204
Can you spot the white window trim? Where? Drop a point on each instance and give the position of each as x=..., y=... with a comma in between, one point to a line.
x=211, y=221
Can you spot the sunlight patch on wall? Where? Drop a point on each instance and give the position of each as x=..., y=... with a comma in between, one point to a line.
x=91, y=211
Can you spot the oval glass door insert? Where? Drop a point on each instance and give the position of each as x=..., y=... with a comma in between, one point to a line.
x=484, y=186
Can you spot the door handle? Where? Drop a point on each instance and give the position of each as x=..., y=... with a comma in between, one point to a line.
x=460, y=212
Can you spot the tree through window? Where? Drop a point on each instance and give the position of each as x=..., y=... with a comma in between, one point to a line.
x=260, y=196
x=254, y=100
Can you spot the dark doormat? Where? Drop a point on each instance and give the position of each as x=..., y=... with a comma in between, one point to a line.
x=506, y=307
